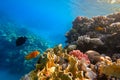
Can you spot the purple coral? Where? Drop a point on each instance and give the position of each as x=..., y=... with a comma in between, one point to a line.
x=78, y=54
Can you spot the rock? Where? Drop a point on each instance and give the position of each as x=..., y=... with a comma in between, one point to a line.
x=94, y=56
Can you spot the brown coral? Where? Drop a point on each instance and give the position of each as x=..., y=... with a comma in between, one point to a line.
x=100, y=33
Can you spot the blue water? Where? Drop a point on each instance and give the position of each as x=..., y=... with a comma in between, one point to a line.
x=50, y=19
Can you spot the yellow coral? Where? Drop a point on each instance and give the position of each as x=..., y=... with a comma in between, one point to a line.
x=50, y=62
x=79, y=75
x=72, y=67
x=50, y=66
x=111, y=69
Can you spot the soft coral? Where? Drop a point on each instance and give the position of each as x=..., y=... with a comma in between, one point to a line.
x=78, y=54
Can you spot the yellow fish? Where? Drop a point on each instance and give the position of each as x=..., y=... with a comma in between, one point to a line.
x=99, y=28
x=32, y=55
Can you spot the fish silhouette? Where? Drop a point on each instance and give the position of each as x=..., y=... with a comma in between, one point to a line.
x=32, y=55
x=20, y=40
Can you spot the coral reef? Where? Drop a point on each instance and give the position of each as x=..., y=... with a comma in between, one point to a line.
x=100, y=33
x=115, y=57
x=109, y=68
x=92, y=52
x=57, y=64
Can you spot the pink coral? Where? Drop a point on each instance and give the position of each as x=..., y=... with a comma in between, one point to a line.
x=78, y=54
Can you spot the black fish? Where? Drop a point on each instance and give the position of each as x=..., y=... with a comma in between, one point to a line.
x=20, y=41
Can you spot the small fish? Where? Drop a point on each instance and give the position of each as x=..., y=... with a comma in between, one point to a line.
x=32, y=55
x=99, y=28
x=20, y=40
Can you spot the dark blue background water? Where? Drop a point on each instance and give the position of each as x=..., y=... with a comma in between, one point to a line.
x=50, y=19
